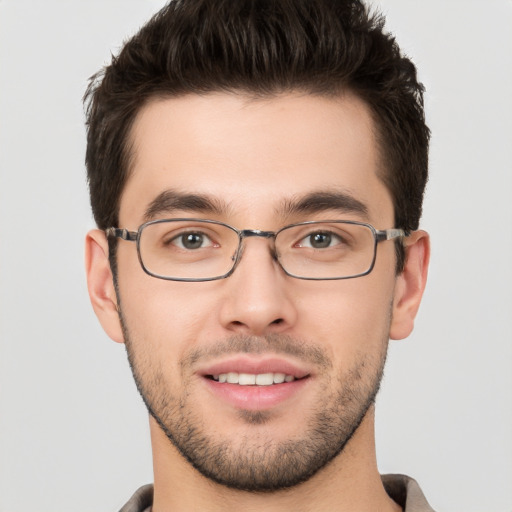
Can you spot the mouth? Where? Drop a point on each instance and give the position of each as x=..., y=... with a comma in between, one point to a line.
x=255, y=383
x=249, y=371
x=253, y=379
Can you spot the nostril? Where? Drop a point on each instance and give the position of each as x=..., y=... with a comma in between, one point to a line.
x=277, y=321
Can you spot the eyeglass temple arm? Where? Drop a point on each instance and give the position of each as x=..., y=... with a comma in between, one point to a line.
x=131, y=236
x=390, y=234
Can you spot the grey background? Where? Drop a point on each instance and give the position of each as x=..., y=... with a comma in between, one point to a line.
x=73, y=431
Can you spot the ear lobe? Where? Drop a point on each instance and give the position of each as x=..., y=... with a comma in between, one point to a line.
x=410, y=285
x=100, y=284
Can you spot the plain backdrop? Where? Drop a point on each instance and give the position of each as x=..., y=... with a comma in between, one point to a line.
x=73, y=430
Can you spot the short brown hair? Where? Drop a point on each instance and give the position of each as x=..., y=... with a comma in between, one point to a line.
x=261, y=47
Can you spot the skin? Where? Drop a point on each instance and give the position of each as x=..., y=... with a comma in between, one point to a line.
x=254, y=155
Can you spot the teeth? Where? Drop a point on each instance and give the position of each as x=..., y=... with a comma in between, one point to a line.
x=264, y=379
x=250, y=379
x=247, y=379
x=232, y=378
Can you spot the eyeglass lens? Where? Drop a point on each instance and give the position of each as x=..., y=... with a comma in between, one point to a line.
x=191, y=249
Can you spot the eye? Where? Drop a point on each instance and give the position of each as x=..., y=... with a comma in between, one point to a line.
x=191, y=241
x=320, y=240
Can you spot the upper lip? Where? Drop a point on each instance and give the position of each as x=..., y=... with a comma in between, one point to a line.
x=245, y=364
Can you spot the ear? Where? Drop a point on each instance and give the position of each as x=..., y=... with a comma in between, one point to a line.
x=410, y=285
x=100, y=284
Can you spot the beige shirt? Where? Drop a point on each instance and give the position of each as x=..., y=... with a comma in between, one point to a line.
x=402, y=489
x=405, y=491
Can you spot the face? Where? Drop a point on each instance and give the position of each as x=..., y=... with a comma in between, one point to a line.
x=249, y=163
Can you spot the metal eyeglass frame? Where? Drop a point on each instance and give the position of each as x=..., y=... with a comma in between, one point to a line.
x=134, y=236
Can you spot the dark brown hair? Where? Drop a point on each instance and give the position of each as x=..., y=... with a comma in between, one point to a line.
x=261, y=47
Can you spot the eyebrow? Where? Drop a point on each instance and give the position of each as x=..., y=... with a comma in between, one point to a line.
x=321, y=201
x=170, y=201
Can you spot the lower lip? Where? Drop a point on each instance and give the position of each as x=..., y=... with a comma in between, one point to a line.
x=255, y=398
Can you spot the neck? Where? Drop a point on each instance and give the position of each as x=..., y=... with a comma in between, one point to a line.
x=351, y=482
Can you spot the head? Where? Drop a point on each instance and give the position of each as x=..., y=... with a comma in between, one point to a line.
x=258, y=114
x=263, y=48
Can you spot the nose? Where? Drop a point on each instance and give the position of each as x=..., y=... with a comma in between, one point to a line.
x=257, y=297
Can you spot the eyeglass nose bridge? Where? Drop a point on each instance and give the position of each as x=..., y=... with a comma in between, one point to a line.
x=248, y=233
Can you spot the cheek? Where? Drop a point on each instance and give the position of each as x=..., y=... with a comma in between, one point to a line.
x=348, y=317
x=163, y=315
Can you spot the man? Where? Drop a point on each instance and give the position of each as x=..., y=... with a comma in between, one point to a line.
x=256, y=173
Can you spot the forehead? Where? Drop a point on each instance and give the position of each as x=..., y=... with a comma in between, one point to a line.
x=252, y=155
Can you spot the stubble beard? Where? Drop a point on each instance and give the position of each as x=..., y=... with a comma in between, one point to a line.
x=256, y=463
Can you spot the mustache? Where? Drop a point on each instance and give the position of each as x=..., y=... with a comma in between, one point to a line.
x=281, y=344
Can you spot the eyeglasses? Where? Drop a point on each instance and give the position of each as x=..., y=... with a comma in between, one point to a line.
x=206, y=250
